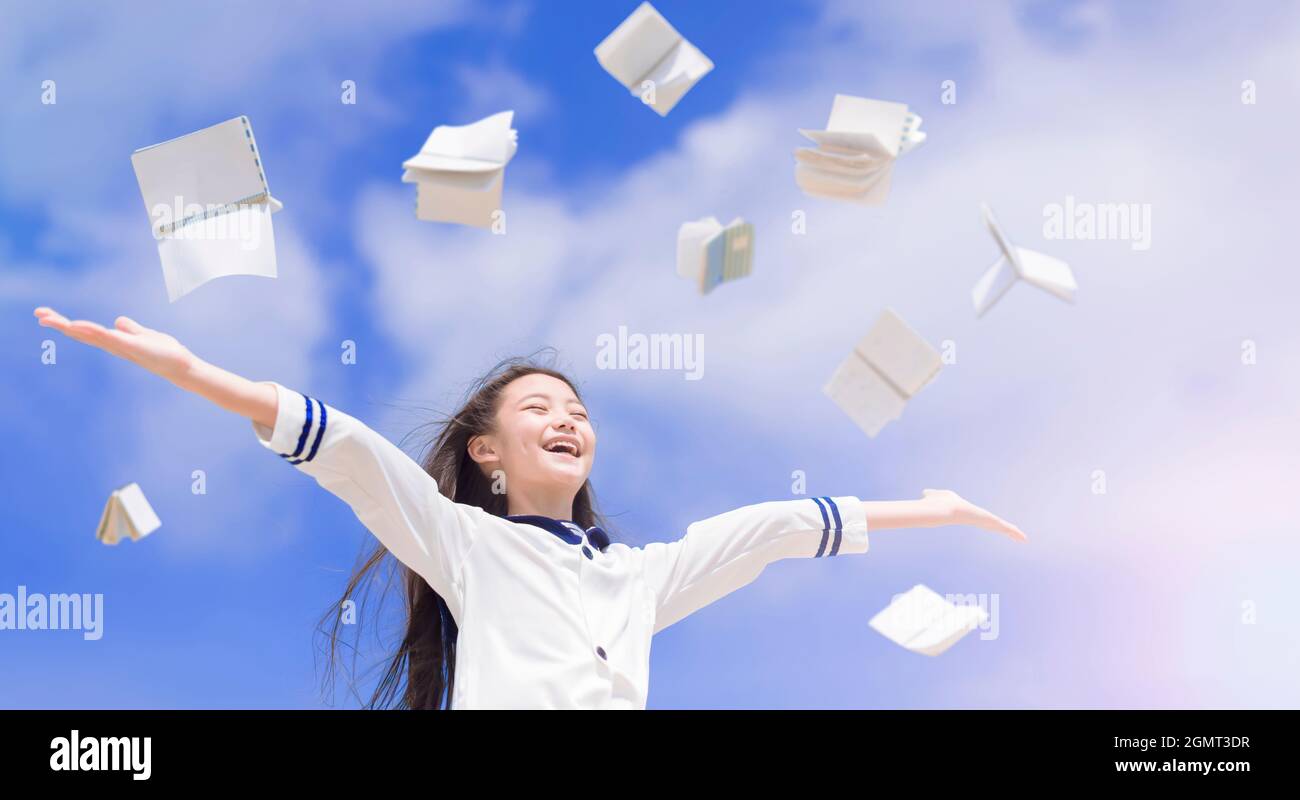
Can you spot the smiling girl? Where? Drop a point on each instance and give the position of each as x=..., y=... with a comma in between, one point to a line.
x=516, y=597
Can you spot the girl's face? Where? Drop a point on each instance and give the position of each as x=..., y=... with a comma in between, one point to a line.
x=544, y=442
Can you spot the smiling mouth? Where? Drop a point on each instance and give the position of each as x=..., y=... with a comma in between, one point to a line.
x=568, y=449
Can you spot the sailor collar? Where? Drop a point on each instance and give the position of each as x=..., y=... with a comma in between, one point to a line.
x=565, y=529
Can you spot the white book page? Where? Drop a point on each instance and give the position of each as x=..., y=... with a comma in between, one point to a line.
x=848, y=142
x=684, y=63
x=882, y=118
x=1004, y=244
x=214, y=166
x=947, y=630
x=462, y=198
x=925, y=622
x=239, y=243
x=691, y=238
x=994, y=283
x=138, y=512
x=1050, y=274
x=633, y=49
x=900, y=354
x=484, y=145
x=864, y=396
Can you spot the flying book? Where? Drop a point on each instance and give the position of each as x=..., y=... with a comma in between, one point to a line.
x=708, y=253
x=1018, y=263
x=854, y=157
x=127, y=513
x=460, y=170
x=924, y=622
x=887, y=368
x=649, y=57
x=209, y=204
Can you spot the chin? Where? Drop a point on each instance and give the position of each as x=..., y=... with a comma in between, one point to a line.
x=574, y=474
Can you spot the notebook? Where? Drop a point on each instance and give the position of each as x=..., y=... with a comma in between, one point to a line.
x=209, y=205
x=886, y=369
x=460, y=171
x=854, y=157
x=710, y=254
x=925, y=622
x=127, y=514
x=646, y=52
x=1019, y=263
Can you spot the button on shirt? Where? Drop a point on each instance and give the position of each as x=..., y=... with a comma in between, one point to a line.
x=549, y=615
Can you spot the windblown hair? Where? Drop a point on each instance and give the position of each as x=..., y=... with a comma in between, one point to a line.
x=422, y=673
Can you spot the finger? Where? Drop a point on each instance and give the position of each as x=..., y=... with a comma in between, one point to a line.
x=1006, y=528
x=50, y=318
x=129, y=325
x=95, y=334
x=89, y=326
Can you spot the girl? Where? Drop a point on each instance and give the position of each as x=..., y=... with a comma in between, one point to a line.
x=516, y=597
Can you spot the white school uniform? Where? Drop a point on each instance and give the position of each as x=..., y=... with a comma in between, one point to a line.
x=549, y=615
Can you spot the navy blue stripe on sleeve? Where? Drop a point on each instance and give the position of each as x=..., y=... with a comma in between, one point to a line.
x=302, y=437
x=320, y=430
x=839, y=525
x=320, y=433
x=826, y=524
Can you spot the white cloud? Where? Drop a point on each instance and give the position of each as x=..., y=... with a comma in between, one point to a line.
x=1043, y=392
x=492, y=87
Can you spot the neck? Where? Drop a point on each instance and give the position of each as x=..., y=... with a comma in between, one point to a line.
x=553, y=506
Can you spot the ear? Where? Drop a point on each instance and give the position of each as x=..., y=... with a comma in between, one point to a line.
x=482, y=449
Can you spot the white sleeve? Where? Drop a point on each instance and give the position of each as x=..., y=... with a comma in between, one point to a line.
x=721, y=554
x=389, y=492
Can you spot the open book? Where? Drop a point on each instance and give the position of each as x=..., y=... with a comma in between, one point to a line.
x=890, y=365
x=1019, y=263
x=648, y=56
x=925, y=622
x=460, y=170
x=209, y=205
x=854, y=156
x=708, y=253
x=127, y=513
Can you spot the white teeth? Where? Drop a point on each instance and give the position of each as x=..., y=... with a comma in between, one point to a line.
x=563, y=447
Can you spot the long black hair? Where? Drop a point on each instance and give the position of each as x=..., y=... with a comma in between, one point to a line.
x=422, y=673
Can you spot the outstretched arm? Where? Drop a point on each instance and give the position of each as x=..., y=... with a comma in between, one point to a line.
x=167, y=358
x=389, y=492
x=723, y=553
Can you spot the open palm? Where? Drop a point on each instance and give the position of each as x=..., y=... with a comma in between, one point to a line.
x=957, y=510
x=154, y=350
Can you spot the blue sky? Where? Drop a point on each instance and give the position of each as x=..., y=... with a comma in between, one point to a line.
x=1134, y=598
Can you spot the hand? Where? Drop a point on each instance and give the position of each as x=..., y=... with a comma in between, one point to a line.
x=154, y=350
x=951, y=508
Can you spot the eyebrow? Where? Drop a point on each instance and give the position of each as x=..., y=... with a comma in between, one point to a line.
x=547, y=397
